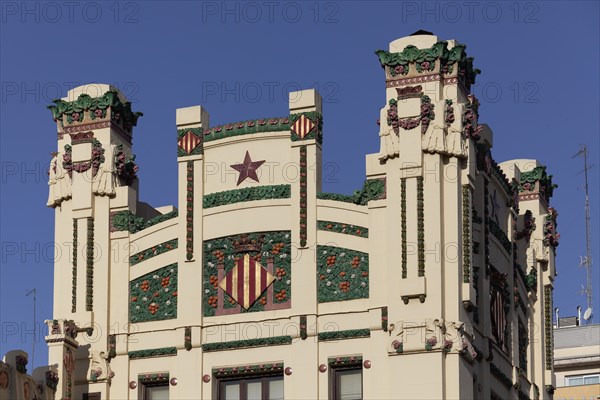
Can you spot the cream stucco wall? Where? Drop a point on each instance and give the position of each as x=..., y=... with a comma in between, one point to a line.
x=433, y=257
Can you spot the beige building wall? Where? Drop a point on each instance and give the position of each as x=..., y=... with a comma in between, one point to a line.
x=420, y=280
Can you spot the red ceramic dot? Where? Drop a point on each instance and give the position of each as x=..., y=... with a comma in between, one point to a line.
x=367, y=364
x=173, y=381
x=132, y=385
x=206, y=378
x=322, y=368
x=288, y=371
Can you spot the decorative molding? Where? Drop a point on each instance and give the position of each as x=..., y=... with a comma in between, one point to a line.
x=536, y=183
x=384, y=318
x=306, y=126
x=528, y=226
x=438, y=58
x=342, y=274
x=344, y=361
x=89, y=298
x=127, y=221
x=153, y=297
x=531, y=280
x=112, y=346
x=373, y=189
x=427, y=115
x=272, y=249
x=449, y=117
x=409, y=81
x=523, y=345
x=246, y=128
x=470, y=119
x=263, y=192
x=518, y=301
x=21, y=363
x=501, y=376
x=187, y=338
x=97, y=156
x=551, y=236
x=189, y=212
x=189, y=142
x=153, y=251
x=420, y=226
x=303, y=327
x=241, y=344
x=86, y=109
x=52, y=380
x=74, y=269
x=160, y=218
x=159, y=352
x=154, y=378
x=346, y=229
x=125, y=166
x=409, y=92
x=303, y=197
x=347, y=334
x=244, y=370
x=466, y=231
x=499, y=234
x=403, y=228
x=548, y=329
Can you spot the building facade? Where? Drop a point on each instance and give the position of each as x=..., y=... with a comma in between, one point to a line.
x=577, y=362
x=434, y=280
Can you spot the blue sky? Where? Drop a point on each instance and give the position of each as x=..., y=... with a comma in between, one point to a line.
x=539, y=92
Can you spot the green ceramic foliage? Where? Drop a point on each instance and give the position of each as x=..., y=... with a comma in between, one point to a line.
x=153, y=251
x=342, y=274
x=153, y=297
x=346, y=229
x=263, y=192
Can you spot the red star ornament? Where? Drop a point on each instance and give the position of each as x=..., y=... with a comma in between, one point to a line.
x=247, y=169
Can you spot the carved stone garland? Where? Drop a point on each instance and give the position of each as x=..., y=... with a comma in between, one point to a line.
x=427, y=115
x=466, y=229
x=420, y=226
x=74, y=269
x=89, y=299
x=189, y=216
x=548, y=330
x=403, y=228
x=303, y=198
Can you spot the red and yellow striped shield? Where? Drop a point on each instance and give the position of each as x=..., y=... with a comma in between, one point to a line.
x=303, y=126
x=189, y=142
x=246, y=281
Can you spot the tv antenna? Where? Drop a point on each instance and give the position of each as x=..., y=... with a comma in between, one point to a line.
x=34, y=291
x=586, y=262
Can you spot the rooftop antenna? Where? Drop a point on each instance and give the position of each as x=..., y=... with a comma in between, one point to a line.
x=34, y=291
x=586, y=262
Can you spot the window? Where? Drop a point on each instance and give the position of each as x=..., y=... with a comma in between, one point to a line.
x=156, y=392
x=265, y=388
x=154, y=387
x=253, y=382
x=345, y=378
x=579, y=380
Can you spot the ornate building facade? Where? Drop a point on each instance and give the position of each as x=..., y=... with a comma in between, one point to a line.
x=434, y=280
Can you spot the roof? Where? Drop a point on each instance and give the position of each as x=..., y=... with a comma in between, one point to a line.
x=577, y=336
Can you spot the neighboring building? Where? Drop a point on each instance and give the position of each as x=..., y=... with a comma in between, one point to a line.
x=577, y=362
x=429, y=282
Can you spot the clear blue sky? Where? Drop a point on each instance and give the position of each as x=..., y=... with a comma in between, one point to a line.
x=539, y=91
